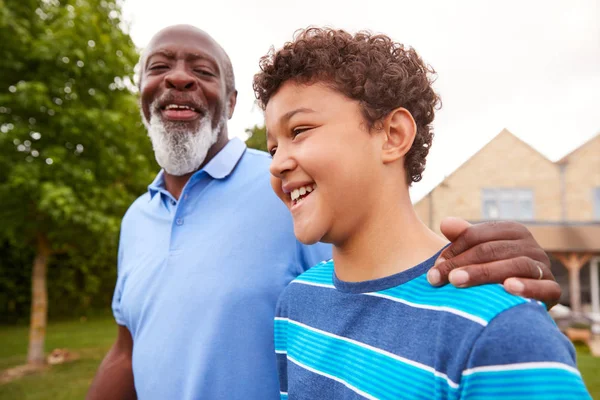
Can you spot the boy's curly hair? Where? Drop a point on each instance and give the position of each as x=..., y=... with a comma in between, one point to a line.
x=374, y=70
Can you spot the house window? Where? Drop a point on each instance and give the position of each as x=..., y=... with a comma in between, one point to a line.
x=514, y=204
x=597, y=203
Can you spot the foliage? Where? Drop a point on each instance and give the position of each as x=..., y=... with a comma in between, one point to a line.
x=257, y=137
x=73, y=153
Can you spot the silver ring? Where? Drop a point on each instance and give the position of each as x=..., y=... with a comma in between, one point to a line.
x=541, y=272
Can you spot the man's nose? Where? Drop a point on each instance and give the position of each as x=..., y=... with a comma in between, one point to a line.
x=180, y=79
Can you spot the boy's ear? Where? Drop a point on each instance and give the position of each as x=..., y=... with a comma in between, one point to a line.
x=400, y=130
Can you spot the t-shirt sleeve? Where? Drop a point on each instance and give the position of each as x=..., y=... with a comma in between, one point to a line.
x=521, y=354
x=281, y=328
x=309, y=256
x=116, y=301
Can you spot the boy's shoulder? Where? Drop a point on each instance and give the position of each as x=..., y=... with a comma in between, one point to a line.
x=319, y=275
x=480, y=304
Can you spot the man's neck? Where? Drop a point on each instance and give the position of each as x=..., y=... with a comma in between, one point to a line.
x=175, y=184
x=391, y=241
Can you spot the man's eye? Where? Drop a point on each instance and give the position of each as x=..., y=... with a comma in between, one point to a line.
x=157, y=67
x=204, y=72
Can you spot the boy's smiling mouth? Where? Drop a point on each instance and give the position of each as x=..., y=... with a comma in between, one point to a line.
x=299, y=194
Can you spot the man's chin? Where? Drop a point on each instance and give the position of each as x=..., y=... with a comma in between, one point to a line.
x=178, y=126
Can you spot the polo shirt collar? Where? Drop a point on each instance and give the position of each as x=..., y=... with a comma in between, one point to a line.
x=219, y=167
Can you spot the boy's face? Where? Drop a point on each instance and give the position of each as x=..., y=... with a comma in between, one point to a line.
x=325, y=161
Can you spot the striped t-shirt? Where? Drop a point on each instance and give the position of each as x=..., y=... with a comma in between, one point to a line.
x=400, y=338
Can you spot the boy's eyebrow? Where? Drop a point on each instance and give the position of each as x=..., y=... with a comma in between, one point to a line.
x=290, y=114
x=286, y=117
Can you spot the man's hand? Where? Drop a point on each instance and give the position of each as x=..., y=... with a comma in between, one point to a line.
x=495, y=252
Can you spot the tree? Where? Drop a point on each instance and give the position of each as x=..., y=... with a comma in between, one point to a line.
x=72, y=149
x=257, y=138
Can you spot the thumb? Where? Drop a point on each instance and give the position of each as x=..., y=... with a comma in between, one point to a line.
x=452, y=227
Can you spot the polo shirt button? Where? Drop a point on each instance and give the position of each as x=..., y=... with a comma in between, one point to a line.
x=173, y=202
x=179, y=221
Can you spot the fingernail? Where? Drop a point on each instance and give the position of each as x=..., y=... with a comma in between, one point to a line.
x=434, y=277
x=458, y=277
x=514, y=286
x=438, y=261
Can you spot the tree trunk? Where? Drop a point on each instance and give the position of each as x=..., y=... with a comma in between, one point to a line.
x=39, y=303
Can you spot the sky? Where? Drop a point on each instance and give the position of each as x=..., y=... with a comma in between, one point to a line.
x=532, y=67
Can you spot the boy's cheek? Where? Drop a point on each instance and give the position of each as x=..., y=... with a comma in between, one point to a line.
x=276, y=186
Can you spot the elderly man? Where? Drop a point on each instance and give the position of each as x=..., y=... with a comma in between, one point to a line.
x=205, y=253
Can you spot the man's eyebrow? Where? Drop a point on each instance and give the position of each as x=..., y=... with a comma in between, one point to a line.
x=164, y=53
x=189, y=56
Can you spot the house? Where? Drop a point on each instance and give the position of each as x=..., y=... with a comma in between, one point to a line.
x=558, y=201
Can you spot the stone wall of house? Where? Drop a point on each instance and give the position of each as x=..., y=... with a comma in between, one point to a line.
x=582, y=177
x=505, y=162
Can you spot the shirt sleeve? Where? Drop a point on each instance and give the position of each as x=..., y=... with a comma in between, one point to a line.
x=281, y=328
x=309, y=256
x=521, y=354
x=116, y=301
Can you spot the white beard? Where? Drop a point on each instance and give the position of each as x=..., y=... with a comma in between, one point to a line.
x=177, y=150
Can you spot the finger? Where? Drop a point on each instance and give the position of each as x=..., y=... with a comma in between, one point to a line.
x=498, y=250
x=452, y=227
x=545, y=291
x=486, y=232
x=496, y=272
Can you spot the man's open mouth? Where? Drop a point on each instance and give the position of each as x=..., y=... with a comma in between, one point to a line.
x=179, y=112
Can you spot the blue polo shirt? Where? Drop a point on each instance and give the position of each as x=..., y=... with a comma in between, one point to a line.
x=199, y=278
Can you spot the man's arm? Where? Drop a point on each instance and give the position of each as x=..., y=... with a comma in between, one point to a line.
x=114, y=379
x=495, y=252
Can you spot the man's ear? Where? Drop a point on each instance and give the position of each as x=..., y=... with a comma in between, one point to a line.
x=231, y=103
x=400, y=129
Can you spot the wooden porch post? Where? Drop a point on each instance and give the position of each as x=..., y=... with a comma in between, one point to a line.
x=595, y=291
x=573, y=262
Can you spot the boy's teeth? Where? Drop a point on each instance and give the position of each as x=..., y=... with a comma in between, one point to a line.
x=296, y=193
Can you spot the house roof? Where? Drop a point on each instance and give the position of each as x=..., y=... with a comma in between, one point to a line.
x=566, y=158
x=503, y=132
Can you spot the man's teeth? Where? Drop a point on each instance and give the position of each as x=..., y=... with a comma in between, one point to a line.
x=304, y=190
x=178, y=107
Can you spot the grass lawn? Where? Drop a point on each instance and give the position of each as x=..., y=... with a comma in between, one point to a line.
x=92, y=339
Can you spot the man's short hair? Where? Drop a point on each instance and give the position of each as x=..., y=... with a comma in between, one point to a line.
x=379, y=73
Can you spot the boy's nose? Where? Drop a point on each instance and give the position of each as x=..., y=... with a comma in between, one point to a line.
x=281, y=163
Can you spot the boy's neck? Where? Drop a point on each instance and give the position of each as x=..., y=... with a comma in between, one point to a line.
x=392, y=240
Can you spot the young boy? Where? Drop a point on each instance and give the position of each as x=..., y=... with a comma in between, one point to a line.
x=349, y=126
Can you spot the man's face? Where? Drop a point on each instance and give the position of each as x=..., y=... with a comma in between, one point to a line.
x=183, y=97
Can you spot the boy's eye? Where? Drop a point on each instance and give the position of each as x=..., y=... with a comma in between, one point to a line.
x=272, y=151
x=297, y=131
